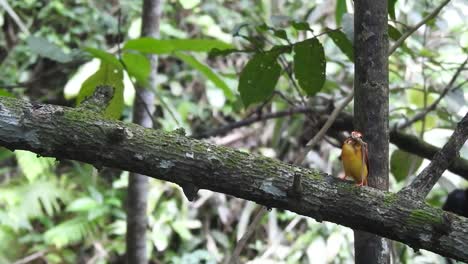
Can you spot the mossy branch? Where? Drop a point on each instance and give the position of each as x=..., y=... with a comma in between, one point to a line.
x=80, y=134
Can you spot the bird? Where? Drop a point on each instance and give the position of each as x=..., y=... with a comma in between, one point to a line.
x=354, y=155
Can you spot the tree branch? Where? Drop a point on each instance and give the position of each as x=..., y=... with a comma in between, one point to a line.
x=250, y=120
x=408, y=33
x=83, y=135
x=424, y=182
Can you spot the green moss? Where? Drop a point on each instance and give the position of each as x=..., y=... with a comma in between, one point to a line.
x=419, y=216
x=390, y=198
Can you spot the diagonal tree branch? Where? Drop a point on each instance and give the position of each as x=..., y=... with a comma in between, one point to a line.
x=402, y=39
x=80, y=134
x=424, y=182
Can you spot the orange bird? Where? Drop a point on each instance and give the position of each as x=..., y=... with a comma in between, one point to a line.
x=355, y=158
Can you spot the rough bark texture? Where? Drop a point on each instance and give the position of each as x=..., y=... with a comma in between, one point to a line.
x=138, y=184
x=83, y=135
x=371, y=110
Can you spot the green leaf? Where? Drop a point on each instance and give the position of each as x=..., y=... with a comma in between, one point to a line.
x=281, y=33
x=107, y=74
x=207, y=72
x=5, y=93
x=137, y=66
x=166, y=46
x=44, y=48
x=309, y=65
x=403, y=164
x=430, y=122
x=393, y=32
x=416, y=98
x=301, y=26
x=391, y=8
x=340, y=10
x=342, y=42
x=32, y=165
x=259, y=77
x=181, y=229
x=104, y=56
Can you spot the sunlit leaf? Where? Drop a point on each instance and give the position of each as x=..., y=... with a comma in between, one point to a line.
x=137, y=66
x=105, y=57
x=309, y=65
x=416, y=98
x=110, y=75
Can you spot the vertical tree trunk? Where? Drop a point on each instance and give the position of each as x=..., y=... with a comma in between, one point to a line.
x=138, y=184
x=371, y=110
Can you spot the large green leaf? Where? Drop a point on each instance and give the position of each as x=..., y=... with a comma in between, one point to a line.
x=207, y=72
x=309, y=65
x=403, y=164
x=107, y=74
x=259, y=77
x=342, y=42
x=137, y=66
x=340, y=10
x=166, y=46
x=44, y=48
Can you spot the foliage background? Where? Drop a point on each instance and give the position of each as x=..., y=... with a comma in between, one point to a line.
x=64, y=211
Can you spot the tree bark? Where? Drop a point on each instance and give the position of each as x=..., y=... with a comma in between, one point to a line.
x=138, y=183
x=83, y=135
x=371, y=110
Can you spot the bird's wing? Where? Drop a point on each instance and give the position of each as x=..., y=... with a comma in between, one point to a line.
x=365, y=154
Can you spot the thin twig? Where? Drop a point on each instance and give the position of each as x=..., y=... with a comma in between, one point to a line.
x=261, y=211
x=433, y=106
x=408, y=33
x=300, y=158
x=14, y=16
x=253, y=119
x=31, y=257
x=424, y=182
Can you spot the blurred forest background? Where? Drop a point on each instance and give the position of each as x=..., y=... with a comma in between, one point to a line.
x=68, y=212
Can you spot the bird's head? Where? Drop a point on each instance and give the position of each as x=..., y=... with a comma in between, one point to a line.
x=355, y=138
